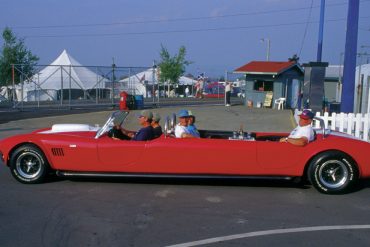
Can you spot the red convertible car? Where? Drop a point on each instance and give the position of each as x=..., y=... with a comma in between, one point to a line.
x=333, y=163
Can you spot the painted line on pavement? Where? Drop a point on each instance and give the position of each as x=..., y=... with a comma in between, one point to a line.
x=270, y=232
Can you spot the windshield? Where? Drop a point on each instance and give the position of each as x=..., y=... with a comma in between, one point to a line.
x=116, y=118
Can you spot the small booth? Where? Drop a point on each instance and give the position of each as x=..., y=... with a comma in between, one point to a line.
x=270, y=82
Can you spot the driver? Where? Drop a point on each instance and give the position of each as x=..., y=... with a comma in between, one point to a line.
x=143, y=134
x=303, y=133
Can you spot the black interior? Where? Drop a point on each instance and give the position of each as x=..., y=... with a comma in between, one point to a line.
x=218, y=134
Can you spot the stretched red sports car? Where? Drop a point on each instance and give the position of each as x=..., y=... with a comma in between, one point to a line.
x=333, y=163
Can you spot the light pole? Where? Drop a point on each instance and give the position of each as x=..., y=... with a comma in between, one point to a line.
x=268, y=48
x=321, y=31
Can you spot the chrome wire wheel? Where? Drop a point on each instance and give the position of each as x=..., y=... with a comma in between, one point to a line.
x=333, y=174
x=28, y=165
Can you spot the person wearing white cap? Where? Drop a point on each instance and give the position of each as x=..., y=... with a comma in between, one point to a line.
x=303, y=133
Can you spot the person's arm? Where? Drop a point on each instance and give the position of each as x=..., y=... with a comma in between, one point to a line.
x=126, y=132
x=302, y=141
x=186, y=135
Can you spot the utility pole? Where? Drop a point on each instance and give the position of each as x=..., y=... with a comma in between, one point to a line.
x=348, y=89
x=113, y=78
x=268, y=48
x=321, y=31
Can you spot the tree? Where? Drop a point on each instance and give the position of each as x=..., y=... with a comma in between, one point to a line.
x=171, y=68
x=15, y=52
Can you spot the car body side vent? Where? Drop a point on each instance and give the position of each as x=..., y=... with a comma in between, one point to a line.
x=57, y=151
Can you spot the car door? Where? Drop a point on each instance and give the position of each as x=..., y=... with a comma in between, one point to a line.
x=199, y=156
x=116, y=155
x=278, y=158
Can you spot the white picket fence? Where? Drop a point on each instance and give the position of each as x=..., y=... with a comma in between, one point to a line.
x=357, y=125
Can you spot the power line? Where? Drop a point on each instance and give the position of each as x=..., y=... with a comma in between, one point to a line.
x=182, y=31
x=305, y=30
x=176, y=19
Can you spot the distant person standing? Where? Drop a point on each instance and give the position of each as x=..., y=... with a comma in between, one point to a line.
x=187, y=91
x=201, y=85
x=228, y=88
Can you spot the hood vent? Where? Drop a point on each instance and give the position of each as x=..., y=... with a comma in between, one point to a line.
x=57, y=151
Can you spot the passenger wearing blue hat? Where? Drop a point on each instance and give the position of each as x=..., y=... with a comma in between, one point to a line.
x=303, y=133
x=181, y=130
x=191, y=126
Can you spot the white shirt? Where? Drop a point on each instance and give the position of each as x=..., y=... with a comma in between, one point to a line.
x=227, y=88
x=179, y=130
x=305, y=131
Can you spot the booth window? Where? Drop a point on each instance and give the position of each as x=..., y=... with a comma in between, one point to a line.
x=263, y=86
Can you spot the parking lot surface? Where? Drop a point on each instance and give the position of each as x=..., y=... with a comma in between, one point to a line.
x=179, y=212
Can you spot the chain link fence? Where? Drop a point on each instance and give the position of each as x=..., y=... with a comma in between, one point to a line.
x=70, y=85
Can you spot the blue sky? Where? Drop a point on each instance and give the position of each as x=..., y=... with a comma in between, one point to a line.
x=219, y=35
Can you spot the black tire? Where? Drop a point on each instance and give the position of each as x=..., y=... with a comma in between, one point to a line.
x=333, y=172
x=28, y=164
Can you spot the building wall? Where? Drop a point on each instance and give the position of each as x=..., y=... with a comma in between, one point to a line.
x=330, y=90
x=282, y=87
x=362, y=87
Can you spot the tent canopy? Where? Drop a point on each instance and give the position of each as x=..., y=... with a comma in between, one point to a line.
x=135, y=84
x=150, y=76
x=64, y=73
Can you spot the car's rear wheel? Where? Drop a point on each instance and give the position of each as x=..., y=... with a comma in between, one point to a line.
x=333, y=172
x=28, y=164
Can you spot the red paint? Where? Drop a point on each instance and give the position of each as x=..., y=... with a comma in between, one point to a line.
x=82, y=152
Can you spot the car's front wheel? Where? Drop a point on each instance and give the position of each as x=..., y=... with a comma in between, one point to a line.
x=28, y=164
x=333, y=172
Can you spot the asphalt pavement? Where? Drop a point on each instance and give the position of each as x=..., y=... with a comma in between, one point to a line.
x=212, y=117
x=164, y=212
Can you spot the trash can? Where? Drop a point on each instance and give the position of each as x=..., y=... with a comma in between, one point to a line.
x=139, y=101
x=130, y=102
x=123, y=101
x=334, y=107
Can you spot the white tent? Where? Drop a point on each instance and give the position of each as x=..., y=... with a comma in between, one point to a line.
x=135, y=84
x=183, y=80
x=63, y=73
x=67, y=70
